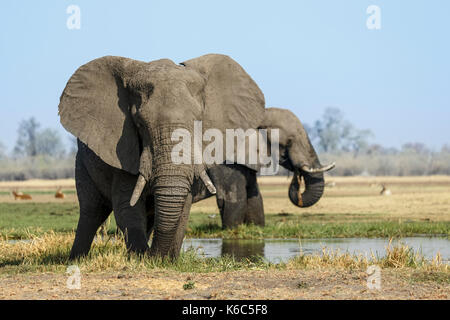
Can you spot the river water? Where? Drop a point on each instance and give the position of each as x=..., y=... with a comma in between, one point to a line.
x=281, y=250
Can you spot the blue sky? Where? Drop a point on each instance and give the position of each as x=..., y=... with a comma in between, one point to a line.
x=304, y=55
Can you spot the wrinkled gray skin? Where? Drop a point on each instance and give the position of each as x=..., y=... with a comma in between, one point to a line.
x=123, y=113
x=238, y=196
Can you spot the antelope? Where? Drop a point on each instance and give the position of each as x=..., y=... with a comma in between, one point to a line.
x=385, y=191
x=59, y=194
x=20, y=195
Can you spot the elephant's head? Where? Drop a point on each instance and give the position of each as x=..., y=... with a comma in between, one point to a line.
x=297, y=155
x=126, y=111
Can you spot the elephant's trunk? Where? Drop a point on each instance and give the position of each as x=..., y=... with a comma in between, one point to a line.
x=312, y=175
x=169, y=204
x=171, y=184
x=314, y=186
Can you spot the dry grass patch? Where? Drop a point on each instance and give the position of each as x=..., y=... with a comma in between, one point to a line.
x=50, y=253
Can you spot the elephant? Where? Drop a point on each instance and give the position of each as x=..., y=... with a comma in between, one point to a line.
x=238, y=196
x=124, y=113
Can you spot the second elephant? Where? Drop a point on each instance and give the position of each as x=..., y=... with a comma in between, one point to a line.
x=238, y=196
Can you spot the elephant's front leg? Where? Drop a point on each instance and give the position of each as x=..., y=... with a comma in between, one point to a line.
x=132, y=221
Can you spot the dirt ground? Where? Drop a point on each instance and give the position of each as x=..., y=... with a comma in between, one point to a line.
x=286, y=284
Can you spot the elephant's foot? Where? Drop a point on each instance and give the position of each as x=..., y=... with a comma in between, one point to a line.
x=233, y=214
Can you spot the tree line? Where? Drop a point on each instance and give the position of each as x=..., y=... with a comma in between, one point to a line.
x=41, y=154
x=336, y=139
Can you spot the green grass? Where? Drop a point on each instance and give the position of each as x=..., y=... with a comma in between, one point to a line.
x=189, y=285
x=19, y=221
x=322, y=230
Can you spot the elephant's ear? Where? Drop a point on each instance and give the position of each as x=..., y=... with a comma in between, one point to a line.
x=232, y=99
x=95, y=107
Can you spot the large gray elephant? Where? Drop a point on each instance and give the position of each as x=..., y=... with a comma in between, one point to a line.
x=123, y=113
x=238, y=196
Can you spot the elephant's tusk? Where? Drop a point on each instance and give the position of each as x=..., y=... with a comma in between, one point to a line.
x=207, y=181
x=322, y=169
x=140, y=184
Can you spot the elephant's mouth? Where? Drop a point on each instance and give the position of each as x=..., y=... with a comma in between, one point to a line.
x=285, y=162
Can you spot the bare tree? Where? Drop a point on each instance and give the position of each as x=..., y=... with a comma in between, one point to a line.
x=49, y=143
x=32, y=141
x=333, y=133
x=26, y=141
x=358, y=141
x=330, y=130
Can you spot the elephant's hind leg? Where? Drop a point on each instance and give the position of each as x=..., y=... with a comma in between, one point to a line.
x=94, y=209
x=255, y=207
x=230, y=182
